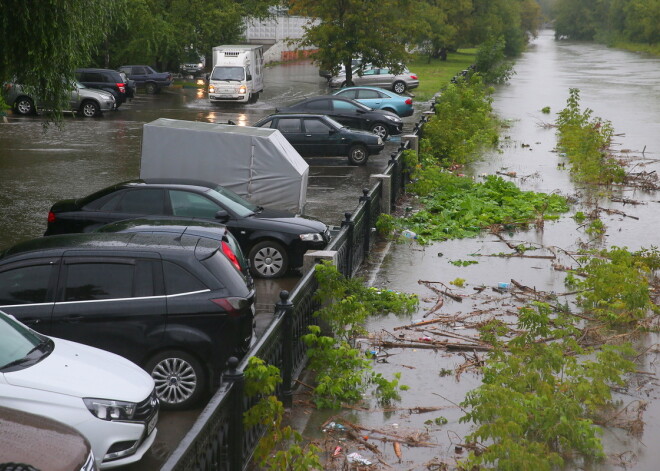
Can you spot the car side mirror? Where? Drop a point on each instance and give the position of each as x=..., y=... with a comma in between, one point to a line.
x=222, y=215
x=249, y=77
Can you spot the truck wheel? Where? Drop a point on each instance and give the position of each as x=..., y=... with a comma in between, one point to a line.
x=150, y=88
x=180, y=378
x=268, y=259
x=357, y=154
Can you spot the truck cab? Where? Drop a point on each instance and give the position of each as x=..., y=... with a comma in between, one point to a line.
x=237, y=74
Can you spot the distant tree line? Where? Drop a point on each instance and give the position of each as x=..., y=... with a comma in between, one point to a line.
x=608, y=21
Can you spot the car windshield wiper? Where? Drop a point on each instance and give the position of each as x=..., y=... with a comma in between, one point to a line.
x=44, y=347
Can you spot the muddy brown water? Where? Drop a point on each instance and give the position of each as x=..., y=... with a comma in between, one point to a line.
x=619, y=86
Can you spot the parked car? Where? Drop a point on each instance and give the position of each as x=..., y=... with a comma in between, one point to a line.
x=131, y=87
x=189, y=227
x=379, y=99
x=86, y=102
x=42, y=443
x=378, y=77
x=106, y=398
x=104, y=79
x=349, y=113
x=317, y=134
x=327, y=74
x=145, y=76
x=174, y=305
x=274, y=240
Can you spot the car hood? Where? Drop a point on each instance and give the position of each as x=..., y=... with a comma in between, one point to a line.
x=301, y=224
x=78, y=370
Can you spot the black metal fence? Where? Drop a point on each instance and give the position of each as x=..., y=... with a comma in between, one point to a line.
x=218, y=440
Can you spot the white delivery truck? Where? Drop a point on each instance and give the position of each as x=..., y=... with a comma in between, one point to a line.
x=237, y=74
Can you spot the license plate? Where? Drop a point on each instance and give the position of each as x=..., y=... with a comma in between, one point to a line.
x=152, y=424
x=225, y=96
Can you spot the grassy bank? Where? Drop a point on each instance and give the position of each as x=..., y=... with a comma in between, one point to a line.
x=436, y=74
x=653, y=49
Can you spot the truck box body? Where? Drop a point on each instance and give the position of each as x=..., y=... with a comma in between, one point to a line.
x=259, y=164
x=237, y=74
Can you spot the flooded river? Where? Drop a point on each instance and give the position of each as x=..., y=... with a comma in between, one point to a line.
x=619, y=86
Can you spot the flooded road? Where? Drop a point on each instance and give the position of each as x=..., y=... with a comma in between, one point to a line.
x=619, y=86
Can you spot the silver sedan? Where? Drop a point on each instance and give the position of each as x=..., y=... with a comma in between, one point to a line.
x=379, y=77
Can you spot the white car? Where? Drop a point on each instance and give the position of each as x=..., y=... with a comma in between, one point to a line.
x=108, y=399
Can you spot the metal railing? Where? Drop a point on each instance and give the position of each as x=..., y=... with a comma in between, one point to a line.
x=218, y=440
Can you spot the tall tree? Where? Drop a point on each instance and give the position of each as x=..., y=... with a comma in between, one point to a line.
x=44, y=41
x=377, y=31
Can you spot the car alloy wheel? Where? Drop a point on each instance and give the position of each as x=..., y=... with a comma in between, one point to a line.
x=24, y=106
x=399, y=87
x=379, y=129
x=179, y=379
x=268, y=260
x=89, y=109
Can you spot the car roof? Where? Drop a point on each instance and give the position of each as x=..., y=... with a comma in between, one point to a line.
x=162, y=243
x=364, y=87
x=172, y=224
x=169, y=182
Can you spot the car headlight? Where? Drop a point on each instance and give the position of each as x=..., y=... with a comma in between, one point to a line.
x=312, y=237
x=211, y=89
x=393, y=118
x=242, y=90
x=107, y=409
x=380, y=141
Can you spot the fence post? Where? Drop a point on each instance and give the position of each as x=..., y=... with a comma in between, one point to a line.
x=396, y=178
x=368, y=222
x=286, y=307
x=404, y=168
x=236, y=431
x=347, y=222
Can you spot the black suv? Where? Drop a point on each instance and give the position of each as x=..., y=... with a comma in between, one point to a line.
x=173, y=304
x=104, y=79
x=274, y=240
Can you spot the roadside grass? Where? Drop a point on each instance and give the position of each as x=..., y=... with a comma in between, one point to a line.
x=436, y=74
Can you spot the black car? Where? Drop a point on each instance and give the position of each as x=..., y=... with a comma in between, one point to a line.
x=145, y=76
x=274, y=240
x=350, y=113
x=189, y=227
x=172, y=304
x=104, y=79
x=320, y=135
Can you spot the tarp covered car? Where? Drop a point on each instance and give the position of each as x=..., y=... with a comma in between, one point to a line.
x=257, y=163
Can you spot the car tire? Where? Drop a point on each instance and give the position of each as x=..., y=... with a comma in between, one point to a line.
x=150, y=88
x=180, y=379
x=358, y=154
x=89, y=109
x=399, y=87
x=380, y=129
x=24, y=106
x=268, y=259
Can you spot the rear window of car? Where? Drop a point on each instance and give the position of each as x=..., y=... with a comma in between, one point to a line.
x=289, y=125
x=179, y=280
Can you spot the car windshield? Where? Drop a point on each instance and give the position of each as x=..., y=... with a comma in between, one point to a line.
x=20, y=345
x=79, y=85
x=233, y=202
x=228, y=73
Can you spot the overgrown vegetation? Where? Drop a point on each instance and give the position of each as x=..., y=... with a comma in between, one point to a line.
x=457, y=207
x=462, y=126
x=540, y=394
x=491, y=61
x=586, y=143
x=342, y=372
x=281, y=448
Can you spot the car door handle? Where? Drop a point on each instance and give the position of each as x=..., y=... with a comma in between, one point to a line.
x=30, y=321
x=308, y=135
x=73, y=318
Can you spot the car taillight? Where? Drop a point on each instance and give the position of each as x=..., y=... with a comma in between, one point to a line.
x=121, y=87
x=226, y=249
x=409, y=101
x=414, y=77
x=233, y=306
x=51, y=217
